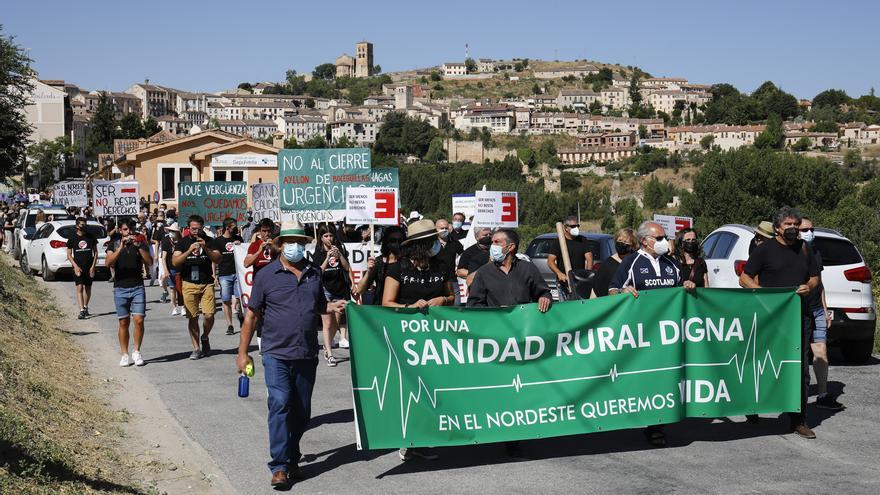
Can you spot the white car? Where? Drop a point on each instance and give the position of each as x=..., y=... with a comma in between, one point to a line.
x=46, y=253
x=25, y=227
x=846, y=277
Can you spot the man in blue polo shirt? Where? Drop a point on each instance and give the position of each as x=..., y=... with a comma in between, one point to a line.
x=650, y=267
x=287, y=296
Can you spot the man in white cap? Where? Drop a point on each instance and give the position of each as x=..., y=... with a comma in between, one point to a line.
x=288, y=298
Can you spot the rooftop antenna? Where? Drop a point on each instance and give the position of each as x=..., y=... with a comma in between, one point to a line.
x=467, y=52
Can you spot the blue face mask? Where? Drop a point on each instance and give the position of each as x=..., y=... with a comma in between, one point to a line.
x=293, y=252
x=496, y=252
x=435, y=249
x=456, y=225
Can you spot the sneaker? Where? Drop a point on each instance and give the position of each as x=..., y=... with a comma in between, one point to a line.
x=196, y=354
x=343, y=343
x=410, y=454
x=125, y=361
x=86, y=312
x=175, y=311
x=331, y=361
x=137, y=358
x=182, y=311
x=81, y=315
x=163, y=298
x=828, y=402
x=206, y=347
x=230, y=330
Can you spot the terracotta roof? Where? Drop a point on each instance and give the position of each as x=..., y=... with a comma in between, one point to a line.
x=717, y=128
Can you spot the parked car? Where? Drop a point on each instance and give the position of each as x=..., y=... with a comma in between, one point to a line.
x=539, y=248
x=846, y=277
x=46, y=252
x=27, y=222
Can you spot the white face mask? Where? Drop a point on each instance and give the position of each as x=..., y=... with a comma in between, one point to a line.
x=575, y=231
x=661, y=247
x=808, y=236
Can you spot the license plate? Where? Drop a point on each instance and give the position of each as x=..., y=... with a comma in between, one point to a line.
x=831, y=314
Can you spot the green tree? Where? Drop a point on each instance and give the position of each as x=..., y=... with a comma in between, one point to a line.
x=246, y=86
x=609, y=226
x=400, y=135
x=310, y=103
x=643, y=131
x=290, y=143
x=773, y=136
x=596, y=107
x=435, y=153
x=519, y=67
x=631, y=214
x=657, y=194
x=486, y=137
x=773, y=100
x=824, y=126
x=16, y=85
x=345, y=142
x=324, y=71
x=470, y=65
x=634, y=94
x=831, y=98
x=706, y=141
x=377, y=69
x=130, y=127
x=151, y=126
x=315, y=142
x=435, y=76
x=321, y=88
x=802, y=144
x=295, y=84
x=536, y=89
x=99, y=138
x=48, y=156
x=213, y=123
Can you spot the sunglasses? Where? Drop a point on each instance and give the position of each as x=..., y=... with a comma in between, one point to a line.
x=659, y=238
x=810, y=229
x=573, y=226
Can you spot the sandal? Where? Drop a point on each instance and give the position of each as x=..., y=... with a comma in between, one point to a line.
x=331, y=361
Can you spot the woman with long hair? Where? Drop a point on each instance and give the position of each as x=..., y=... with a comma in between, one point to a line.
x=331, y=258
x=624, y=245
x=690, y=257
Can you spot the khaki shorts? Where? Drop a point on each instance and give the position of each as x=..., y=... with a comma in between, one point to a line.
x=198, y=296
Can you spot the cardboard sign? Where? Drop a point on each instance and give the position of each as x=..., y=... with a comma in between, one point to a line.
x=464, y=203
x=71, y=193
x=245, y=275
x=371, y=205
x=115, y=198
x=213, y=201
x=672, y=224
x=313, y=182
x=265, y=202
x=496, y=209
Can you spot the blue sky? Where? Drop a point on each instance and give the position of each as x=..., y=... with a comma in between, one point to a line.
x=803, y=46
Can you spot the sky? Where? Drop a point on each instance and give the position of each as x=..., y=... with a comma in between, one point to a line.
x=803, y=46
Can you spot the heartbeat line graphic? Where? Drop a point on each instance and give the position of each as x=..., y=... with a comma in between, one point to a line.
x=739, y=362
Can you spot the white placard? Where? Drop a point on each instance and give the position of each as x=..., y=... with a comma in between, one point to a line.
x=244, y=161
x=371, y=205
x=71, y=193
x=265, y=202
x=115, y=198
x=464, y=203
x=496, y=209
x=672, y=224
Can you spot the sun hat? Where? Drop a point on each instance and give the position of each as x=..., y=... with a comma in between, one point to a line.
x=765, y=229
x=173, y=227
x=420, y=229
x=295, y=231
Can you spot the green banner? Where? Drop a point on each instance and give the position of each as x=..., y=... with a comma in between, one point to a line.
x=213, y=201
x=385, y=177
x=316, y=179
x=462, y=376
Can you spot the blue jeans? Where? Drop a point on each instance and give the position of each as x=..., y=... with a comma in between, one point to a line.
x=229, y=287
x=130, y=301
x=290, y=384
x=819, y=326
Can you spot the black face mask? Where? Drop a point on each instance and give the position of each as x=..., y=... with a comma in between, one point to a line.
x=622, y=248
x=690, y=246
x=486, y=241
x=791, y=234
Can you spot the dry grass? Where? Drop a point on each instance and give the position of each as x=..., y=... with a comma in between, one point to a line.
x=56, y=434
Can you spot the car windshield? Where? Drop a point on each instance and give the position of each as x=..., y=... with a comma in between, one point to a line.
x=95, y=231
x=836, y=252
x=31, y=220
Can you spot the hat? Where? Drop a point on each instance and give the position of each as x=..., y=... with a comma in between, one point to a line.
x=414, y=215
x=765, y=229
x=173, y=227
x=292, y=228
x=421, y=229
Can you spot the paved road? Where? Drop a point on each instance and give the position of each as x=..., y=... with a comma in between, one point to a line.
x=704, y=456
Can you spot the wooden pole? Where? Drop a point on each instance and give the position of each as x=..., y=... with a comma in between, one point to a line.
x=563, y=247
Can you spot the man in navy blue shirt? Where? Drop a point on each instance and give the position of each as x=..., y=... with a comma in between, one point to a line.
x=650, y=267
x=287, y=296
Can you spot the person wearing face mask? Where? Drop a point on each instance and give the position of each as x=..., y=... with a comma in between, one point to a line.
x=450, y=248
x=332, y=259
x=82, y=252
x=580, y=252
x=624, y=245
x=787, y=262
x=377, y=269
x=288, y=298
x=508, y=280
x=649, y=268
x=474, y=257
x=458, y=233
x=763, y=232
x=230, y=293
x=688, y=255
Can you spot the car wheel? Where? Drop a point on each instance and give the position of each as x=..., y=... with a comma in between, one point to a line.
x=23, y=264
x=16, y=252
x=857, y=351
x=48, y=275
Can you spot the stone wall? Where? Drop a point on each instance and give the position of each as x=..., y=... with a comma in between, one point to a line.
x=473, y=151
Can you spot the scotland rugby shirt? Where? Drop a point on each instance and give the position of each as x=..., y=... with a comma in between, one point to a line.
x=644, y=272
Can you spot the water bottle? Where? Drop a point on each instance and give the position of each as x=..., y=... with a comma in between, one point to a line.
x=244, y=385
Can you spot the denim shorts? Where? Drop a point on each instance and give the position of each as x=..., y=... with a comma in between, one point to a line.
x=228, y=287
x=332, y=297
x=820, y=326
x=130, y=301
x=171, y=276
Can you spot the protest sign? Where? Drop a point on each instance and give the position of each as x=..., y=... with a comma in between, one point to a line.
x=213, y=201
x=245, y=275
x=453, y=377
x=265, y=201
x=371, y=205
x=672, y=224
x=70, y=193
x=465, y=203
x=313, y=182
x=385, y=177
x=115, y=198
x=496, y=209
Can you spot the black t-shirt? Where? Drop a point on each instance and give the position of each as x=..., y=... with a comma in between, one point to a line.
x=167, y=247
x=604, y=275
x=418, y=284
x=83, y=247
x=447, y=254
x=473, y=258
x=377, y=274
x=334, y=276
x=226, y=245
x=779, y=265
x=695, y=272
x=158, y=233
x=129, y=264
x=458, y=234
x=578, y=247
x=196, y=268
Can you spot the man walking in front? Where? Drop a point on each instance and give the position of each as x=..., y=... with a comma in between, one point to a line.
x=230, y=294
x=82, y=252
x=786, y=261
x=129, y=254
x=192, y=257
x=288, y=299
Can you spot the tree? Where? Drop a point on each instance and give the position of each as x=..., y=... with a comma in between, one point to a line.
x=773, y=100
x=290, y=143
x=706, y=141
x=102, y=129
x=657, y=194
x=802, y=144
x=310, y=103
x=151, y=127
x=49, y=156
x=295, y=85
x=16, y=85
x=435, y=153
x=315, y=142
x=773, y=136
x=213, y=123
x=246, y=86
x=831, y=98
x=435, y=76
x=519, y=67
x=130, y=127
x=596, y=107
x=634, y=94
x=470, y=65
x=609, y=226
x=345, y=142
x=403, y=135
x=486, y=137
x=324, y=71
x=536, y=89
x=824, y=126
x=377, y=69
x=643, y=131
